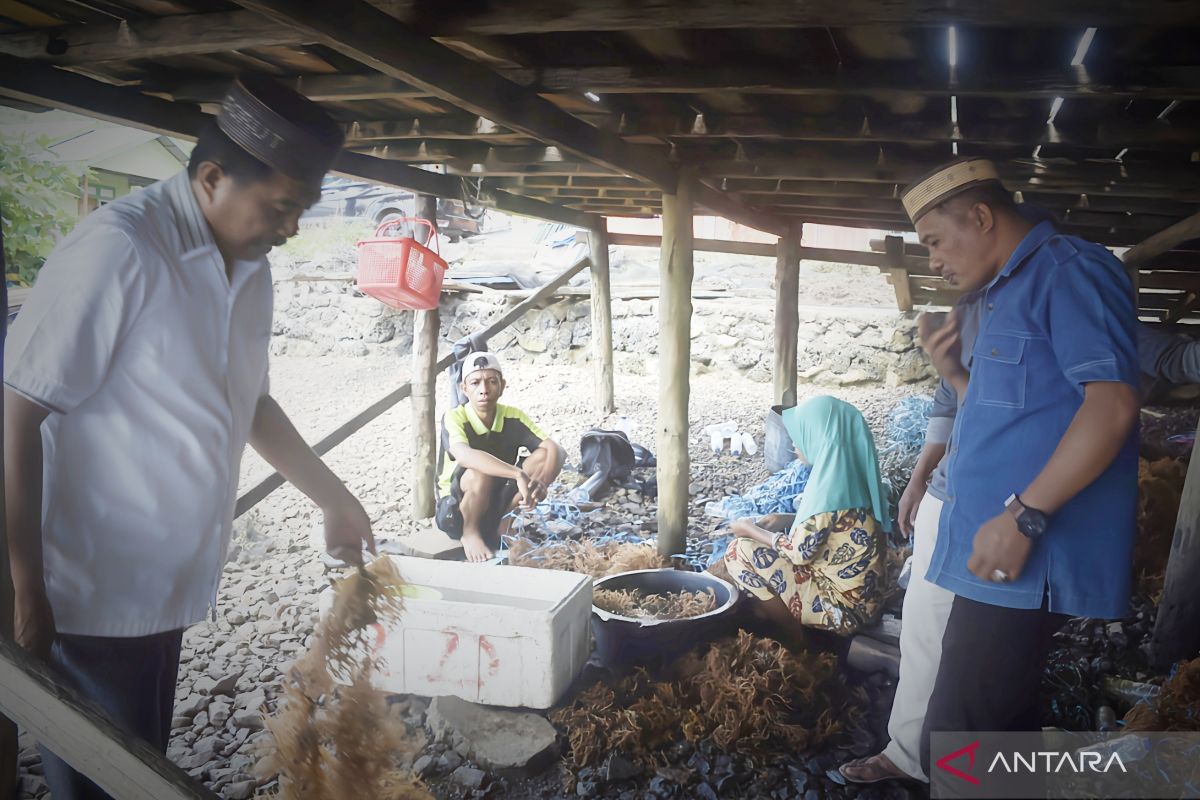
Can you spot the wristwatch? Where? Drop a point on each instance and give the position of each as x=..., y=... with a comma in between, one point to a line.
x=1030, y=522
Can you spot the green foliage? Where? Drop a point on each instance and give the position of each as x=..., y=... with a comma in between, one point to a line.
x=33, y=188
x=330, y=241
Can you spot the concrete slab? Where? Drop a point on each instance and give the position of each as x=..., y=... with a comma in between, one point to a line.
x=511, y=743
x=429, y=542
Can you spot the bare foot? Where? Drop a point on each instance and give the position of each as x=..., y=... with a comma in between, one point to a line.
x=475, y=548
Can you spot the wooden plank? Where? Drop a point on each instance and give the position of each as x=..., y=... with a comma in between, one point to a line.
x=674, y=355
x=1177, y=626
x=1169, y=280
x=1163, y=241
x=602, y=329
x=816, y=164
x=426, y=332
x=75, y=729
x=787, y=316
x=272, y=482
x=897, y=274
x=377, y=40
x=532, y=16
x=707, y=245
x=160, y=37
x=321, y=88
x=855, y=126
x=871, y=78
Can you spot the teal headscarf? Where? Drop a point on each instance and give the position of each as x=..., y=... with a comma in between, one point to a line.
x=835, y=440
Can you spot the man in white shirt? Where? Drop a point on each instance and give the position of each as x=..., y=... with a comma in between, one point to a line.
x=135, y=375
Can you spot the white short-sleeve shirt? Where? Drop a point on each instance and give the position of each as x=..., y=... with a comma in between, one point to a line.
x=152, y=362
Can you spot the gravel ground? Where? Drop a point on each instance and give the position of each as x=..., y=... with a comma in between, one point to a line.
x=231, y=668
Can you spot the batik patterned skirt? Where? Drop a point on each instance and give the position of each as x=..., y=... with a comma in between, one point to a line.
x=828, y=569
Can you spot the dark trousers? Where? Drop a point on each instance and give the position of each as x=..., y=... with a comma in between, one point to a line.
x=991, y=670
x=132, y=679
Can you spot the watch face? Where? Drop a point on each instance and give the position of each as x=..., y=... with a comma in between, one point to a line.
x=1032, y=524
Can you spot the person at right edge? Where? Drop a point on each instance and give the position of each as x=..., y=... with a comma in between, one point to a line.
x=1040, y=517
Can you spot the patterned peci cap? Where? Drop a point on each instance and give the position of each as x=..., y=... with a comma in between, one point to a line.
x=285, y=130
x=948, y=180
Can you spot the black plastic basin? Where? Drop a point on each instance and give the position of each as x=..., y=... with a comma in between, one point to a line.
x=623, y=642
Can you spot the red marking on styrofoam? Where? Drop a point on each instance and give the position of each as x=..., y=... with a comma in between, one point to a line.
x=493, y=659
x=380, y=638
x=451, y=646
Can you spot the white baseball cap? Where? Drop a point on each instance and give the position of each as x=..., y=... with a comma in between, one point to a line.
x=478, y=361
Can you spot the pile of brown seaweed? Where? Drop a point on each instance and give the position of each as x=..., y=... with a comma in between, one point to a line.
x=638, y=604
x=1160, y=487
x=745, y=694
x=332, y=736
x=1175, y=708
x=597, y=560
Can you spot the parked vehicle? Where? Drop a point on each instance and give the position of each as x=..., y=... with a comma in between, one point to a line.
x=342, y=197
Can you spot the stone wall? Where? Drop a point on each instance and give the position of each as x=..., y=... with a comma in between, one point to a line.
x=837, y=346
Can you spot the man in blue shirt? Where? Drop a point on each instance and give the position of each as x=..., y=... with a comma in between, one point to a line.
x=1041, y=489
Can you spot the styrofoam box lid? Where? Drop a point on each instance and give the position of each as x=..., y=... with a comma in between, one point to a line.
x=464, y=583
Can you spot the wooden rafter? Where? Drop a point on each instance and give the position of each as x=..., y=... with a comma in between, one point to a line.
x=538, y=16
x=905, y=77
x=321, y=88
x=188, y=34
x=378, y=41
x=41, y=84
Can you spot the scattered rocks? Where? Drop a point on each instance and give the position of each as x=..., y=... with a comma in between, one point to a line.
x=469, y=777
x=250, y=720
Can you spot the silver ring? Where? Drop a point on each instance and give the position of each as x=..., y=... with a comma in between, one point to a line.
x=999, y=576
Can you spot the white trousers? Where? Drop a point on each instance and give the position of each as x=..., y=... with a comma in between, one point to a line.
x=926, y=610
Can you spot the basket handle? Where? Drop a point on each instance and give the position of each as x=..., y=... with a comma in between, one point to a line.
x=434, y=236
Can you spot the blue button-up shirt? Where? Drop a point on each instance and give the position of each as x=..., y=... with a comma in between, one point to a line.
x=1059, y=315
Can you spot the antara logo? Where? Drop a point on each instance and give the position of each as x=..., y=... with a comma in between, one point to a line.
x=969, y=752
x=1048, y=762
x=1054, y=761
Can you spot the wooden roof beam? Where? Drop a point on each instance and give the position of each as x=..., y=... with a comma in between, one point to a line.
x=905, y=77
x=537, y=16
x=1099, y=178
x=378, y=41
x=44, y=85
x=457, y=126
x=320, y=88
x=161, y=37
x=863, y=128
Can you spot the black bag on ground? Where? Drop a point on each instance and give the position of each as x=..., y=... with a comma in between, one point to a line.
x=605, y=456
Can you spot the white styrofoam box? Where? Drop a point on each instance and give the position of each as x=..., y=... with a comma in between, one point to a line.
x=498, y=635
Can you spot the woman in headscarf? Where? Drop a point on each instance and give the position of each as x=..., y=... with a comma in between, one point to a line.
x=824, y=566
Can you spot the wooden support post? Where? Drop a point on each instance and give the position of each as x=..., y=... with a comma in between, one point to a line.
x=898, y=272
x=787, y=315
x=1177, y=627
x=674, y=351
x=602, y=346
x=426, y=327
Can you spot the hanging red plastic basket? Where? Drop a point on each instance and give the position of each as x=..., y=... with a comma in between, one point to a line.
x=400, y=271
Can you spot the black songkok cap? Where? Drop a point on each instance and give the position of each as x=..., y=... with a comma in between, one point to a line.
x=283, y=129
